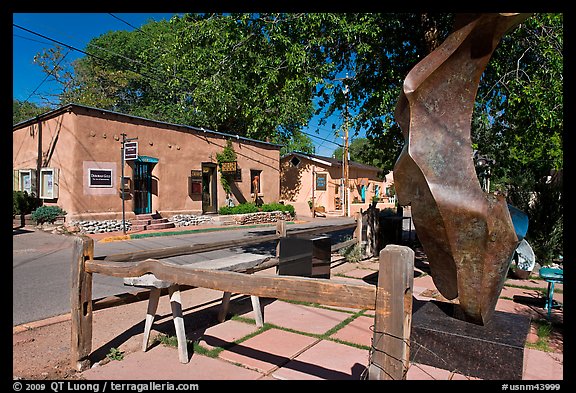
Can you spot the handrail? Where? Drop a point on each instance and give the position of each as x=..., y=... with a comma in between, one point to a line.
x=328, y=292
x=167, y=252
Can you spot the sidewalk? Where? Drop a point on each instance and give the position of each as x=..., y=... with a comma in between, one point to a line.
x=297, y=342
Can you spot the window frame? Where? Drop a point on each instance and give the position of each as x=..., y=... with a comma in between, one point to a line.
x=325, y=176
x=253, y=173
x=52, y=191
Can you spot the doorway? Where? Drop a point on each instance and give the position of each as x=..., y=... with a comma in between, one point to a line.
x=209, y=197
x=142, y=186
x=143, y=166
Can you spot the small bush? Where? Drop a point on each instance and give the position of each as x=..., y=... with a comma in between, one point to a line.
x=250, y=207
x=275, y=206
x=352, y=253
x=242, y=208
x=115, y=354
x=23, y=203
x=47, y=214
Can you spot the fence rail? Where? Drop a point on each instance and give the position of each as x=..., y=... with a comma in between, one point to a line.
x=391, y=298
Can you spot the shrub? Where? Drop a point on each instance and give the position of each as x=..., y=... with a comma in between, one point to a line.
x=276, y=206
x=23, y=203
x=47, y=214
x=242, y=208
x=352, y=253
x=250, y=207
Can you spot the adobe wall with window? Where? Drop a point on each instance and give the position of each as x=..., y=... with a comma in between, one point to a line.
x=175, y=172
x=319, y=179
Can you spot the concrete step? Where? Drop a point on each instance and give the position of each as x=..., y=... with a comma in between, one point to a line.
x=158, y=221
x=162, y=225
x=148, y=216
x=140, y=222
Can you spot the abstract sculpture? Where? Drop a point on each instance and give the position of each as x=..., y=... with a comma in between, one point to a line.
x=467, y=234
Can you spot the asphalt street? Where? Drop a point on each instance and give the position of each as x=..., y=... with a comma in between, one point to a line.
x=42, y=264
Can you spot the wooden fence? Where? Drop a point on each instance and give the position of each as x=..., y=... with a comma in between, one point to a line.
x=391, y=298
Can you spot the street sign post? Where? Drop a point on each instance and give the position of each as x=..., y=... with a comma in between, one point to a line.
x=128, y=151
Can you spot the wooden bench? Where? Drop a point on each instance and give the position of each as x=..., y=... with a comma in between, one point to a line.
x=239, y=263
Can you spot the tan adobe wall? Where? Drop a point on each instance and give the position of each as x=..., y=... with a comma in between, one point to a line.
x=75, y=142
x=296, y=186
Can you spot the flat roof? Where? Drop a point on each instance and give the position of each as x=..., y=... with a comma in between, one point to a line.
x=330, y=161
x=69, y=107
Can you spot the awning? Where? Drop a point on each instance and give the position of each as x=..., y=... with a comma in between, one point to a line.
x=147, y=159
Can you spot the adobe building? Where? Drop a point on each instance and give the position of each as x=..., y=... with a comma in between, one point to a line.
x=72, y=157
x=308, y=179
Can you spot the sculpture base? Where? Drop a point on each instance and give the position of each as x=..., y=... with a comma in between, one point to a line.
x=494, y=351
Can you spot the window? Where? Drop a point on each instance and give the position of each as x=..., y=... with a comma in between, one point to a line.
x=25, y=180
x=321, y=181
x=255, y=181
x=295, y=161
x=48, y=183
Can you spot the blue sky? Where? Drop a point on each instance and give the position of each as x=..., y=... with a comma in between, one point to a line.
x=76, y=30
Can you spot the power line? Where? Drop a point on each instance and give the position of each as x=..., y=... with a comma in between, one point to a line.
x=319, y=137
x=135, y=61
x=87, y=53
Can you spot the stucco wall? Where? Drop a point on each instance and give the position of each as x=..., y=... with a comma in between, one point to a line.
x=86, y=138
x=297, y=182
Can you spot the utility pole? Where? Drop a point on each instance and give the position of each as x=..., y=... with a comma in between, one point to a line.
x=345, y=163
x=345, y=160
x=346, y=205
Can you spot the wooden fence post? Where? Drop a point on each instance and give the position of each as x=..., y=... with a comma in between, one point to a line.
x=390, y=353
x=358, y=230
x=280, y=232
x=281, y=228
x=81, y=303
x=372, y=230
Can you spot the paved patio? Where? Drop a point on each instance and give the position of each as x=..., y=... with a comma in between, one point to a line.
x=298, y=341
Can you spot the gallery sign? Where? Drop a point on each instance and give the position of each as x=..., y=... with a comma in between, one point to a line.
x=229, y=168
x=130, y=150
x=99, y=177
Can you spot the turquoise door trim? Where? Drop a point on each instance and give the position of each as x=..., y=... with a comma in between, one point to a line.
x=143, y=184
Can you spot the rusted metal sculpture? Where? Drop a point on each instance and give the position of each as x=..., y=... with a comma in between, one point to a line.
x=468, y=235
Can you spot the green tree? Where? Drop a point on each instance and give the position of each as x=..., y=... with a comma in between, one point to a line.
x=518, y=122
x=24, y=110
x=298, y=141
x=361, y=150
x=265, y=75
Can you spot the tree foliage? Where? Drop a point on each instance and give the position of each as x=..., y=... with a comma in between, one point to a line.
x=266, y=75
x=518, y=122
x=24, y=110
x=360, y=151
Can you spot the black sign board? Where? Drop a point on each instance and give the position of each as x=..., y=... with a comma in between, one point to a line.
x=100, y=177
x=130, y=150
x=196, y=173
